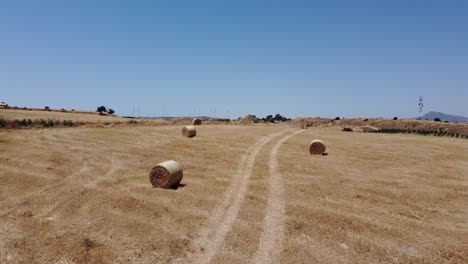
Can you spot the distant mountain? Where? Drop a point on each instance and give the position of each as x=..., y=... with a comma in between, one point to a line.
x=443, y=117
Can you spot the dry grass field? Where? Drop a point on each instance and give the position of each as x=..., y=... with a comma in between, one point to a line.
x=12, y=114
x=250, y=194
x=83, y=119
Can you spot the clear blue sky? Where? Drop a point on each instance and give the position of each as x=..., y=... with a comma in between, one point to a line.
x=298, y=58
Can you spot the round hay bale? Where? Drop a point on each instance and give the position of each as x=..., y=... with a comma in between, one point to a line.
x=189, y=131
x=249, y=119
x=196, y=121
x=366, y=128
x=166, y=174
x=317, y=147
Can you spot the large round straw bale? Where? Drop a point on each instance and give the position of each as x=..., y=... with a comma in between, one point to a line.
x=248, y=119
x=196, y=121
x=317, y=147
x=166, y=174
x=189, y=131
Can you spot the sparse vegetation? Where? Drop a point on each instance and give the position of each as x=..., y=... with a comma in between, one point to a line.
x=67, y=123
x=28, y=123
x=276, y=118
x=101, y=109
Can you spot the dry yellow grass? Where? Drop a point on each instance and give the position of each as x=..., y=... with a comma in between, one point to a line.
x=82, y=195
x=11, y=114
x=87, y=119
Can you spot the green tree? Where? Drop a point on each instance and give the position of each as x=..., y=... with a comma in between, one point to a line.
x=101, y=109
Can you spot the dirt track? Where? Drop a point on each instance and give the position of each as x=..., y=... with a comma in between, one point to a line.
x=222, y=218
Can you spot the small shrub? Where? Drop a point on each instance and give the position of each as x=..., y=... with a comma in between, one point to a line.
x=367, y=119
x=347, y=129
x=23, y=122
x=337, y=118
x=437, y=119
x=68, y=123
x=47, y=108
x=395, y=118
x=2, y=122
x=42, y=122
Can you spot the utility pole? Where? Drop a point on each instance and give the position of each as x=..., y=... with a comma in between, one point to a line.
x=420, y=104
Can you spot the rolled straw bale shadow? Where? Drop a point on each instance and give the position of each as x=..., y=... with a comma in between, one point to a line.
x=177, y=186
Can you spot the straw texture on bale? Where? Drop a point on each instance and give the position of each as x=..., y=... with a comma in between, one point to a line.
x=365, y=129
x=249, y=119
x=189, y=131
x=317, y=147
x=166, y=174
x=196, y=122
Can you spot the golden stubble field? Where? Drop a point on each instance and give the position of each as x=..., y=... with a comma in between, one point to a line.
x=249, y=194
x=12, y=114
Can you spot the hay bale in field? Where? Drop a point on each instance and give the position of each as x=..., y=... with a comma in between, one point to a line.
x=249, y=119
x=166, y=174
x=317, y=147
x=366, y=128
x=189, y=131
x=196, y=121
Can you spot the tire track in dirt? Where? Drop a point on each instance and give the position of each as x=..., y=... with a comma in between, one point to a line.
x=66, y=195
x=52, y=189
x=212, y=236
x=274, y=221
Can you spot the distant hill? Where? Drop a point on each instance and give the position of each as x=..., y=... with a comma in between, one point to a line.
x=444, y=117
